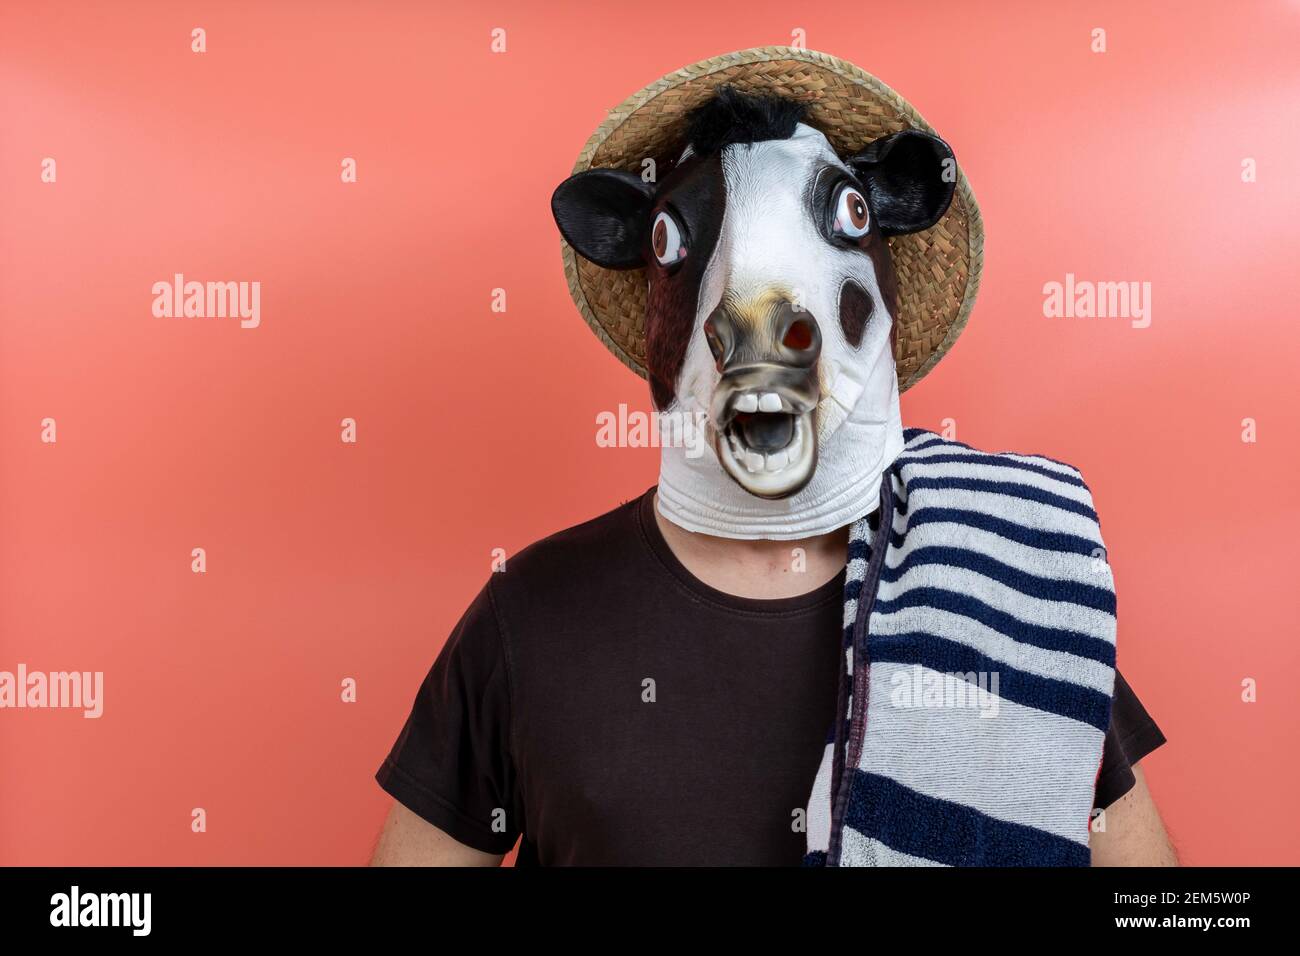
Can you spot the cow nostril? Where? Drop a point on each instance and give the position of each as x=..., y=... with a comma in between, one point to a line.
x=799, y=336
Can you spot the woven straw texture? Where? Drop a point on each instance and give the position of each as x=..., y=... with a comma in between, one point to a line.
x=938, y=269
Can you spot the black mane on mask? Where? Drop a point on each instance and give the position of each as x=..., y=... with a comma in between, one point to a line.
x=731, y=116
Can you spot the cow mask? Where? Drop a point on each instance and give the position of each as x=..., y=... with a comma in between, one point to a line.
x=770, y=307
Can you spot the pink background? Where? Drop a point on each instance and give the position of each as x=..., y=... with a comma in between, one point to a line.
x=477, y=430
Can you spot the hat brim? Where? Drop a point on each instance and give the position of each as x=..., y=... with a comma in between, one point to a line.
x=938, y=268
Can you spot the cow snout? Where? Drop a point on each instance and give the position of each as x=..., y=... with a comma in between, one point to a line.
x=764, y=404
x=777, y=334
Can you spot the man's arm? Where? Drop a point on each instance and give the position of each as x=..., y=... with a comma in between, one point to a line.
x=1135, y=835
x=408, y=840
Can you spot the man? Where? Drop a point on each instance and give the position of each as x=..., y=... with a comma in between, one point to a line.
x=820, y=638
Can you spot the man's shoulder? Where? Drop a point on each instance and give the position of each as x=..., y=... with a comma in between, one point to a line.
x=1000, y=490
x=564, y=560
x=922, y=447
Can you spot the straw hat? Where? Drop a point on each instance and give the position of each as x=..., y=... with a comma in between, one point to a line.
x=938, y=268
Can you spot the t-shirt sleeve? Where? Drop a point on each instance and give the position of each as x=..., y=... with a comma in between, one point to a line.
x=1131, y=736
x=451, y=763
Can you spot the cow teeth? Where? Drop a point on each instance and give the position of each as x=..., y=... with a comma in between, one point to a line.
x=753, y=461
x=769, y=402
x=747, y=403
x=776, y=461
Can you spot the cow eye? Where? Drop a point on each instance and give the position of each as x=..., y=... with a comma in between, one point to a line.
x=850, y=216
x=666, y=239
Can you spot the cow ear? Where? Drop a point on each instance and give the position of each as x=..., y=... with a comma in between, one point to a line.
x=911, y=176
x=604, y=214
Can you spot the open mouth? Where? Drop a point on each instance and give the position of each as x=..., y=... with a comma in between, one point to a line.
x=766, y=441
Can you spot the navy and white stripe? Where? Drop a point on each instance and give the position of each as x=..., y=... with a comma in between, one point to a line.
x=992, y=565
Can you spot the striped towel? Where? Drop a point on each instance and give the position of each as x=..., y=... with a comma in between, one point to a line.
x=979, y=635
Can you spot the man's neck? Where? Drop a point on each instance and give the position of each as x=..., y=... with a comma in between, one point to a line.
x=757, y=569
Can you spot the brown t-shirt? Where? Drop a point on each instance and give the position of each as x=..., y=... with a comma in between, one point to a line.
x=603, y=703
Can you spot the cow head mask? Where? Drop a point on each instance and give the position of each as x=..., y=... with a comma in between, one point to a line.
x=770, y=307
